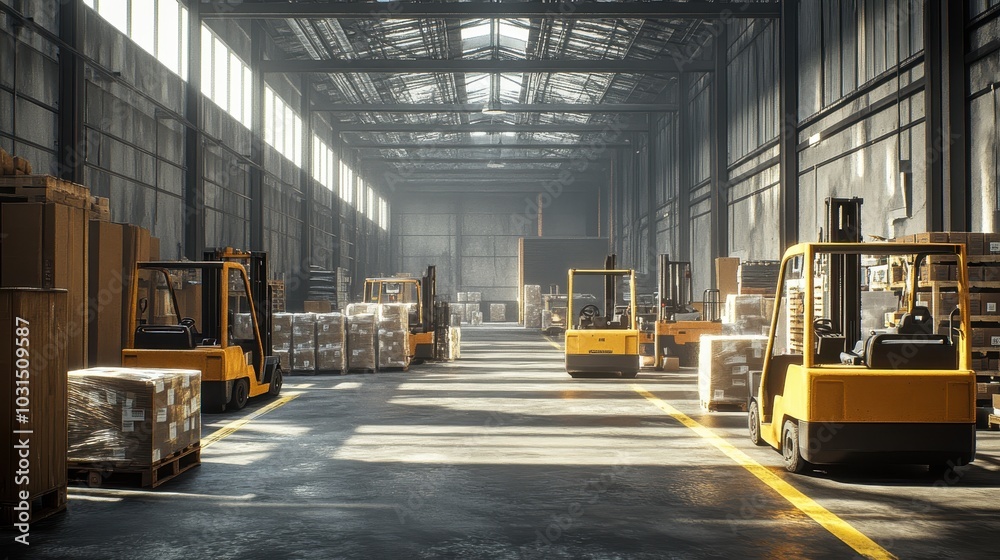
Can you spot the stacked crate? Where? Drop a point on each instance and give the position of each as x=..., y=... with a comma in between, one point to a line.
x=361, y=330
x=38, y=317
x=393, y=336
x=331, y=343
x=304, y=342
x=758, y=277
x=277, y=295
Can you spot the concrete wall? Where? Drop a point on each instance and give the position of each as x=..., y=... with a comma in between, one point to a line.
x=134, y=149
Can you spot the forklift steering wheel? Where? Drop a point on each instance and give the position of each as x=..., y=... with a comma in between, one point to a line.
x=590, y=311
x=823, y=326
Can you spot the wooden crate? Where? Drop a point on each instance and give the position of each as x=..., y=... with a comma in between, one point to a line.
x=46, y=416
x=44, y=188
x=136, y=476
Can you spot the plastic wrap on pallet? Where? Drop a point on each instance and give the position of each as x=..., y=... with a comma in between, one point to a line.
x=458, y=310
x=475, y=297
x=454, y=343
x=243, y=327
x=723, y=367
x=361, y=309
x=532, y=306
x=284, y=358
x=546, y=319
x=281, y=332
x=462, y=297
x=361, y=331
x=471, y=309
x=331, y=342
x=132, y=416
x=304, y=342
x=393, y=336
x=477, y=318
x=498, y=312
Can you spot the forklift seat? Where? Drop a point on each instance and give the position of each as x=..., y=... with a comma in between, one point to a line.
x=917, y=321
x=164, y=337
x=910, y=351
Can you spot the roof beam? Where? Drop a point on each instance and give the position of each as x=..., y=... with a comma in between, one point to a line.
x=421, y=146
x=465, y=65
x=414, y=161
x=510, y=108
x=465, y=10
x=488, y=127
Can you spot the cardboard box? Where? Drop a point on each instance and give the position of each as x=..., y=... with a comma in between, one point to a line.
x=976, y=273
x=975, y=304
x=905, y=239
x=985, y=337
x=44, y=245
x=935, y=273
x=974, y=244
x=723, y=368
x=932, y=237
x=987, y=391
x=727, y=274
x=106, y=294
x=46, y=313
x=991, y=243
x=980, y=364
x=991, y=273
x=135, y=248
x=996, y=400
x=318, y=306
x=990, y=303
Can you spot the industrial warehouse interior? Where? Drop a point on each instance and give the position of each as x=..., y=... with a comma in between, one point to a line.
x=499, y=279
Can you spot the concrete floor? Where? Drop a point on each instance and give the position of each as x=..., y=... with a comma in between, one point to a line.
x=502, y=455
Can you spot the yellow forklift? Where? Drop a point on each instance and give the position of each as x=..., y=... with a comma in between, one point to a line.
x=602, y=345
x=836, y=390
x=212, y=315
x=420, y=295
x=679, y=326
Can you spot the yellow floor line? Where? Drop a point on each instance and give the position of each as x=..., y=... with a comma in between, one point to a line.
x=231, y=427
x=828, y=520
x=553, y=343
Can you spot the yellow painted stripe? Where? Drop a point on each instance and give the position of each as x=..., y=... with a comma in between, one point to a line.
x=828, y=520
x=231, y=427
x=552, y=342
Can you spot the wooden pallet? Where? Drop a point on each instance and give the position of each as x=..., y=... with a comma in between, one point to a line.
x=41, y=506
x=43, y=188
x=725, y=406
x=124, y=474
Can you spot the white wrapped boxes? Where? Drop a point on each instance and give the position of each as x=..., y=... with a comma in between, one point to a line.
x=724, y=366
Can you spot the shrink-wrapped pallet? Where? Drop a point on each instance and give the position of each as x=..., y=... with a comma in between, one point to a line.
x=455, y=343
x=471, y=309
x=532, y=306
x=475, y=297
x=724, y=366
x=477, y=318
x=393, y=333
x=304, y=342
x=498, y=312
x=281, y=339
x=362, y=309
x=132, y=416
x=462, y=297
x=331, y=342
x=361, y=331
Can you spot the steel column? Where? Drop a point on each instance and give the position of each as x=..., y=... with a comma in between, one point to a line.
x=257, y=140
x=685, y=135
x=720, y=151
x=788, y=100
x=933, y=105
x=306, y=180
x=72, y=143
x=194, y=153
x=958, y=187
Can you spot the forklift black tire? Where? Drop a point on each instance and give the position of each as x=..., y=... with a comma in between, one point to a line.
x=277, y=380
x=794, y=463
x=753, y=424
x=241, y=393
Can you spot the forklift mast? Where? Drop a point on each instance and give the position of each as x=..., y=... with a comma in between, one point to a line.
x=674, y=287
x=843, y=225
x=255, y=263
x=610, y=286
x=429, y=289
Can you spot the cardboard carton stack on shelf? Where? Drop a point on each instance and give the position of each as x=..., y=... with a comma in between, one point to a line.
x=35, y=319
x=393, y=336
x=281, y=339
x=304, y=342
x=331, y=342
x=131, y=417
x=532, y=306
x=498, y=312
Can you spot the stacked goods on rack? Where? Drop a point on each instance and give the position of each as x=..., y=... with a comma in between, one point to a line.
x=758, y=277
x=322, y=286
x=277, y=295
x=475, y=297
x=281, y=339
x=31, y=321
x=361, y=327
x=471, y=312
x=304, y=342
x=331, y=343
x=122, y=419
x=498, y=312
x=723, y=369
x=750, y=314
x=393, y=333
x=476, y=319
x=532, y=306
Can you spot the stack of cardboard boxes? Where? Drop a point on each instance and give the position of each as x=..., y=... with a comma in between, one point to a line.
x=498, y=312
x=132, y=417
x=393, y=336
x=361, y=330
x=304, y=342
x=331, y=343
x=532, y=306
x=723, y=369
x=281, y=339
